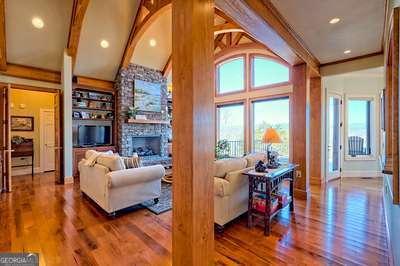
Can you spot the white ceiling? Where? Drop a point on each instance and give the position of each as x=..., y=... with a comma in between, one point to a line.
x=360, y=29
x=109, y=20
x=161, y=31
x=29, y=46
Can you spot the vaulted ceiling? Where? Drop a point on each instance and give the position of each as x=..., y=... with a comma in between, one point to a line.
x=360, y=28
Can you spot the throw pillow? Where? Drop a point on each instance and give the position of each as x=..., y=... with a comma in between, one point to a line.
x=132, y=162
x=112, y=162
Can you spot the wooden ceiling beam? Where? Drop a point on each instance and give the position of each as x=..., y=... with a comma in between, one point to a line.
x=78, y=14
x=237, y=38
x=20, y=71
x=168, y=67
x=263, y=22
x=3, y=52
x=96, y=83
x=227, y=27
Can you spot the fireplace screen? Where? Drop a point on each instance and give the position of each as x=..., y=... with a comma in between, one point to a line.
x=146, y=145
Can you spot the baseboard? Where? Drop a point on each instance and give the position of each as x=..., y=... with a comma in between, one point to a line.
x=25, y=171
x=68, y=180
x=362, y=174
x=301, y=194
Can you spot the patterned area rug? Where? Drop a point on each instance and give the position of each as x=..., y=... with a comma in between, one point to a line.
x=165, y=201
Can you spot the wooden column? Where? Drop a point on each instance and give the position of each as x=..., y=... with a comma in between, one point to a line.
x=388, y=114
x=193, y=131
x=315, y=131
x=301, y=125
x=395, y=104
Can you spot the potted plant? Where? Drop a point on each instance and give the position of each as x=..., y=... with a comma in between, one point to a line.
x=132, y=112
x=222, y=149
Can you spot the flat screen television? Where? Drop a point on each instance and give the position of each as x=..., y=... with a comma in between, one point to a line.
x=93, y=135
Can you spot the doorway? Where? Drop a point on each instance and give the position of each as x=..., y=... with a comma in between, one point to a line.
x=31, y=115
x=334, y=137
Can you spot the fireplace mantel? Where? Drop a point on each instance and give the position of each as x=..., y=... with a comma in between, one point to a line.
x=147, y=121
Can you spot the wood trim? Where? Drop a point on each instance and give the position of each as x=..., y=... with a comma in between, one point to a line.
x=240, y=48
x=237, y=38
x=104, y=85
x=351, y=59
x=78, y=14
x=40, y=74
x=139, y=27
x=193, y=126
x=168, y=67
x=216, y=67
x=263, y=22
x=29, y=88
x=395, y=105
x=3, y=48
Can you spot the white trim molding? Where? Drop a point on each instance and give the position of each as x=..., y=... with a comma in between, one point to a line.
x=361, y=173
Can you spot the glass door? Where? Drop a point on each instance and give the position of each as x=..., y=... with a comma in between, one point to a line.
x=334, y=137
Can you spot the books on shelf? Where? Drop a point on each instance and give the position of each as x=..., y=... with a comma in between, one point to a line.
x=259, y=203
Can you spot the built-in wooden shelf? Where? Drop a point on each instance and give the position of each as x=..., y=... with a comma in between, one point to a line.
x=147, y=121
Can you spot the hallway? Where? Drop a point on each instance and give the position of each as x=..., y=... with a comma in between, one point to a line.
x=342, y=224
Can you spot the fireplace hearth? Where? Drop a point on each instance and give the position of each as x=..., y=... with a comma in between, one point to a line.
x=146, y=145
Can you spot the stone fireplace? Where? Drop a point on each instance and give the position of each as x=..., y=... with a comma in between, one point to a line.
x=146, y=145
x=148, y=136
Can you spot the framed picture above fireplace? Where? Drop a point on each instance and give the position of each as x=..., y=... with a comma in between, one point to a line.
x=147, y=96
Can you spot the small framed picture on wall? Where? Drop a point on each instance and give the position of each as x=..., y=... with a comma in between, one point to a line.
x=22, y=123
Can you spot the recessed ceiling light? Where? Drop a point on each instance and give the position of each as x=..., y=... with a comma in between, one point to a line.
x=347, y=51
x=104, y=43
x=37, y=22
x=152, y=42
x=334, y=20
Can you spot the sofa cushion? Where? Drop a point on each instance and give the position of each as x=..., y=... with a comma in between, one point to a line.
x=224, y=166
x=91, y=156
x=112, y=162
x=253, y=158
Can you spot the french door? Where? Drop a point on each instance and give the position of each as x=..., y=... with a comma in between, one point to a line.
x=334, y=137
x=5, y=140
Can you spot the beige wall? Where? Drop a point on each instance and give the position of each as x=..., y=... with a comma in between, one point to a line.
x=33, y=101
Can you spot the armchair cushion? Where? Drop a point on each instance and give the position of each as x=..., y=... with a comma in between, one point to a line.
x=224, y=166
x=253, y=158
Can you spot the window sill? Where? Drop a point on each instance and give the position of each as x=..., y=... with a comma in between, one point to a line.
x=360, y=158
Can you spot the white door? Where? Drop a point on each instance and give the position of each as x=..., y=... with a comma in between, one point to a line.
x=47, y=142
x=334, y=137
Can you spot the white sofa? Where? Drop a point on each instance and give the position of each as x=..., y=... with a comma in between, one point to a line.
x=114, y=188
x=231, y=187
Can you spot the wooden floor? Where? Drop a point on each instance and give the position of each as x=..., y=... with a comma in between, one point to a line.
x=342, y=224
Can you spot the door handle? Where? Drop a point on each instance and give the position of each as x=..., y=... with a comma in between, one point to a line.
x=58, y=148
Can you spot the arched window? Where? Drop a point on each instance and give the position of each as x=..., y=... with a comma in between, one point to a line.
x=230, y=75
x=266, y=71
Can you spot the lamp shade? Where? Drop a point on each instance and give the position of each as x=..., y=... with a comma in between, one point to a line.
x=271, y=136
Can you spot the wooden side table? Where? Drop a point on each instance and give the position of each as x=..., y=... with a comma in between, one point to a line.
x=266, y=184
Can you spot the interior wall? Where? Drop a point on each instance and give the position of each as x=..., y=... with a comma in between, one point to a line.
x=357, y=84
x=29, y=103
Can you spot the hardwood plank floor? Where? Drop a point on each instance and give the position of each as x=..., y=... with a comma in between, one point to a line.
x=342, y=224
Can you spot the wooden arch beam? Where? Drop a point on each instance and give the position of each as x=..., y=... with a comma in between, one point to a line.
x=141, y=23
x=78, y=14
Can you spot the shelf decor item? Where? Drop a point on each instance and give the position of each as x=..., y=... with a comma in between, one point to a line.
x=22, y=123
x=132, y=112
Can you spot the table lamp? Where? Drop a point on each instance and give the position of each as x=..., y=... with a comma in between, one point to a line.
x=270, y=136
